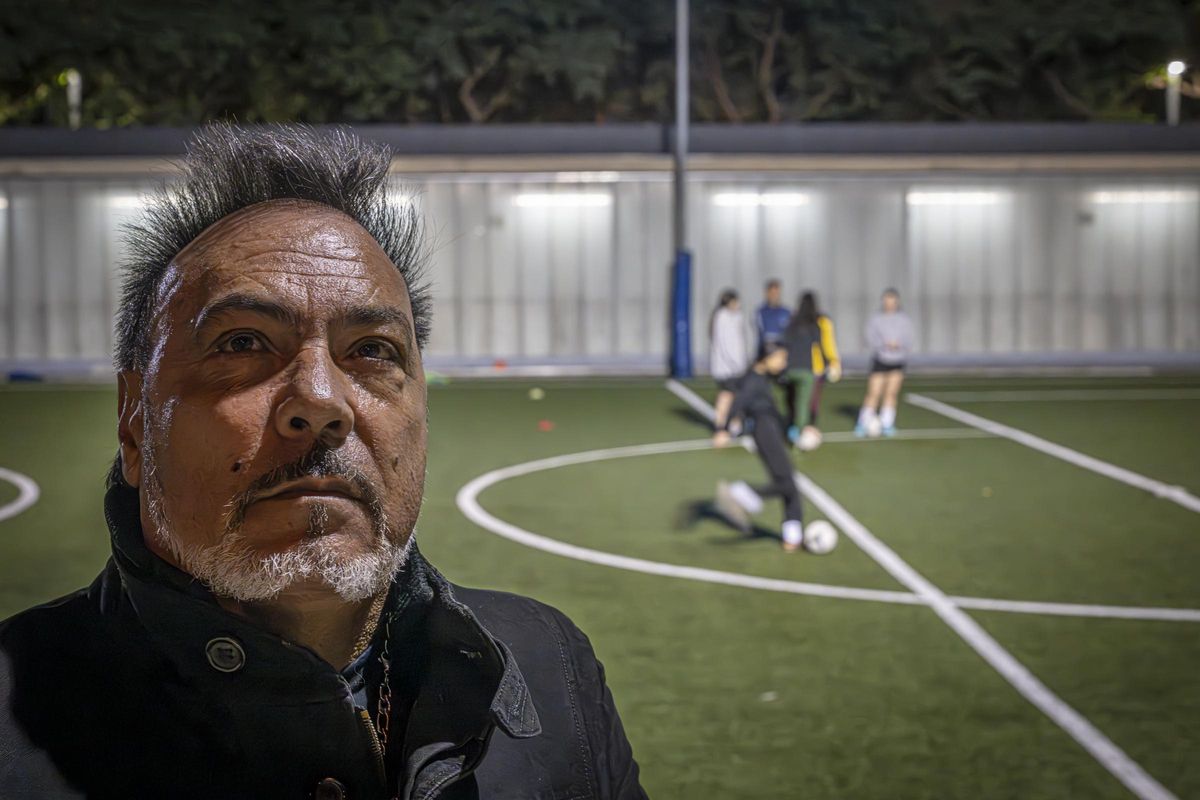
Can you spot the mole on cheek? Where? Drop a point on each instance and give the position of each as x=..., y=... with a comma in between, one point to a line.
x=395, y=462
x=237, y=465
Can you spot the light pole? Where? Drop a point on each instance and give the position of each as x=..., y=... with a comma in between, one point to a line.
x=681, y=269
x=1174, y=76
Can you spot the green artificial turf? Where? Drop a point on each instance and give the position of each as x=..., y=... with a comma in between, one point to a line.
x=737, y=693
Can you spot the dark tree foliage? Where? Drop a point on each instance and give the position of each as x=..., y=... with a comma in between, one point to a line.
x=477, y=61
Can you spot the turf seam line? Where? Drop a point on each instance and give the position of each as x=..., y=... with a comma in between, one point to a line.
x=27, y=493
x=1077, y=726
x=1176, y=494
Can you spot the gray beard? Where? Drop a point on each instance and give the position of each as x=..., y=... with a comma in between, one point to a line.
x=233, y=569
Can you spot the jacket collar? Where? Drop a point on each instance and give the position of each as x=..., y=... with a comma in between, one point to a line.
x=185, y=620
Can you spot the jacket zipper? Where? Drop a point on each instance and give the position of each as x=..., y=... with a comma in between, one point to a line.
x=376, y=745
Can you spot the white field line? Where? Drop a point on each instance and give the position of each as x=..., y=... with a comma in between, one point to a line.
x=1176, y=494
x=1079, y=610
x=1064, y=395
x=697, y=404
x=1103, y=749
x=27, y=493
x=468, y=502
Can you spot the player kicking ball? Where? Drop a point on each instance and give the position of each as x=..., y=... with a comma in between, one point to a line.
x=754, y=402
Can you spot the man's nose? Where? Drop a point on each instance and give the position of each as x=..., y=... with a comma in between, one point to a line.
x=316, y=406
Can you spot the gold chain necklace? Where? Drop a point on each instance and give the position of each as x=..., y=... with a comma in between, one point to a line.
x=383, y=707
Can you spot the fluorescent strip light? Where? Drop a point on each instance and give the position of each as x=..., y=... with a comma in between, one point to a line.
x=1139, y=196
x=755, y=199
x=563, y=200
x=3, y=203
x=952, y=198
x=125, y=201
x=606, y=176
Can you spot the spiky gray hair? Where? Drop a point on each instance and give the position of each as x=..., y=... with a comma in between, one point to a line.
x=228, y=168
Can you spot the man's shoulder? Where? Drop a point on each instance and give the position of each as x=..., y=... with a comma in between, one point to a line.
x=507, y=615
x=56, y=619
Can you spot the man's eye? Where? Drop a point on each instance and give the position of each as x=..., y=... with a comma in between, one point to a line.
x=241, y=343
x=375, y=349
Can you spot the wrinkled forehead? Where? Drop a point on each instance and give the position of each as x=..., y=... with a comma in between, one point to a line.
x=282, y=248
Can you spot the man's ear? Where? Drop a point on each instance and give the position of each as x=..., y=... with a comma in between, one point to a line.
x=130, y=425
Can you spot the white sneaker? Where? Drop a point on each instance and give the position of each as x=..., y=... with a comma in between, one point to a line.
x=731, y=509
x=746, y=497
x=793, y=535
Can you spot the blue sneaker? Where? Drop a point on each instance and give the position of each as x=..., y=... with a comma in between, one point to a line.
x=860, y=431
x=889, y=431
x=793, y=434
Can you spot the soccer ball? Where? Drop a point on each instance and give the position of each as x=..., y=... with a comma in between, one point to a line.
x=820, y=537
x=874, y=427
x=810, y=439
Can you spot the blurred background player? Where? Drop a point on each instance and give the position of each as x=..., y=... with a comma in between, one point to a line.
x=729, y=356
x=824, y=363
x=754, y=402
x=771, y=319
x=890, y=338
x=803, y=342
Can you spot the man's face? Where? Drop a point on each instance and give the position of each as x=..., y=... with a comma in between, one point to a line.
x=278, y=434
x=773, y=294
x=891, y=302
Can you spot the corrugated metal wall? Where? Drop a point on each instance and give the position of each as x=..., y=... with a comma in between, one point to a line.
x=574, y=266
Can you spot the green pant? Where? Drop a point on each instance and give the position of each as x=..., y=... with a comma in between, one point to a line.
x=799, y=388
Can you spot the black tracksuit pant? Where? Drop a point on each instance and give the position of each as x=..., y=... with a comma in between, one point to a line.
x=772, y=449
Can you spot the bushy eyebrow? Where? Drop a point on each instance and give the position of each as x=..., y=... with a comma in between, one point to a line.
x=354, y=317
x=246, y=302
x=365, y=316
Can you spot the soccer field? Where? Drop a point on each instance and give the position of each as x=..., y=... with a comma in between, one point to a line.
x=999, y=620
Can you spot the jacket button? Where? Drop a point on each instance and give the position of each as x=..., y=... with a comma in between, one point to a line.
x=330, y=789
x=225, y=654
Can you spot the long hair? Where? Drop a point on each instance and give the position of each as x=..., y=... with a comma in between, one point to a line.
x=727, y=297
x=806, y=314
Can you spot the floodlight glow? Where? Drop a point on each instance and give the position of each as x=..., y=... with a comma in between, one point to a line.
x=952, y=198
x=1144, y=196
x=3, y=203
x=1176, y=68
x=764, y=199
x=125, y=202
x=563, y=200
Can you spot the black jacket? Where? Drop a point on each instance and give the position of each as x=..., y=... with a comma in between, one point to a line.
x=114, y=691
x=754, y=399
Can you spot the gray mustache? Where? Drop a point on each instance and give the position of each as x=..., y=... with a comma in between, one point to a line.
x=319, y=462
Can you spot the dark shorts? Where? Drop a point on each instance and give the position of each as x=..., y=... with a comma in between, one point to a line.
x=727, y=385
x=879, y=366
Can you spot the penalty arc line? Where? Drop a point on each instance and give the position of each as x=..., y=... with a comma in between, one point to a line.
x=1176, y=494
x=27, y=493
x=1028, y=685
x=467, y=500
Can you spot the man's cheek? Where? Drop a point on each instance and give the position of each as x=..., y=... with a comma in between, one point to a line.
x=212, y=440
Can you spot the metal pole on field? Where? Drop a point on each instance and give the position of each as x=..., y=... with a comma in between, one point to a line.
x=681, y=122
x=1174, y=77
x=681, y=271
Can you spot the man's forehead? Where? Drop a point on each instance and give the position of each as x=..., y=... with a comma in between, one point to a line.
x=282, y=245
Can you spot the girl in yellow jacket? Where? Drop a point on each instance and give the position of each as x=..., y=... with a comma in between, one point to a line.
x=812, y=333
